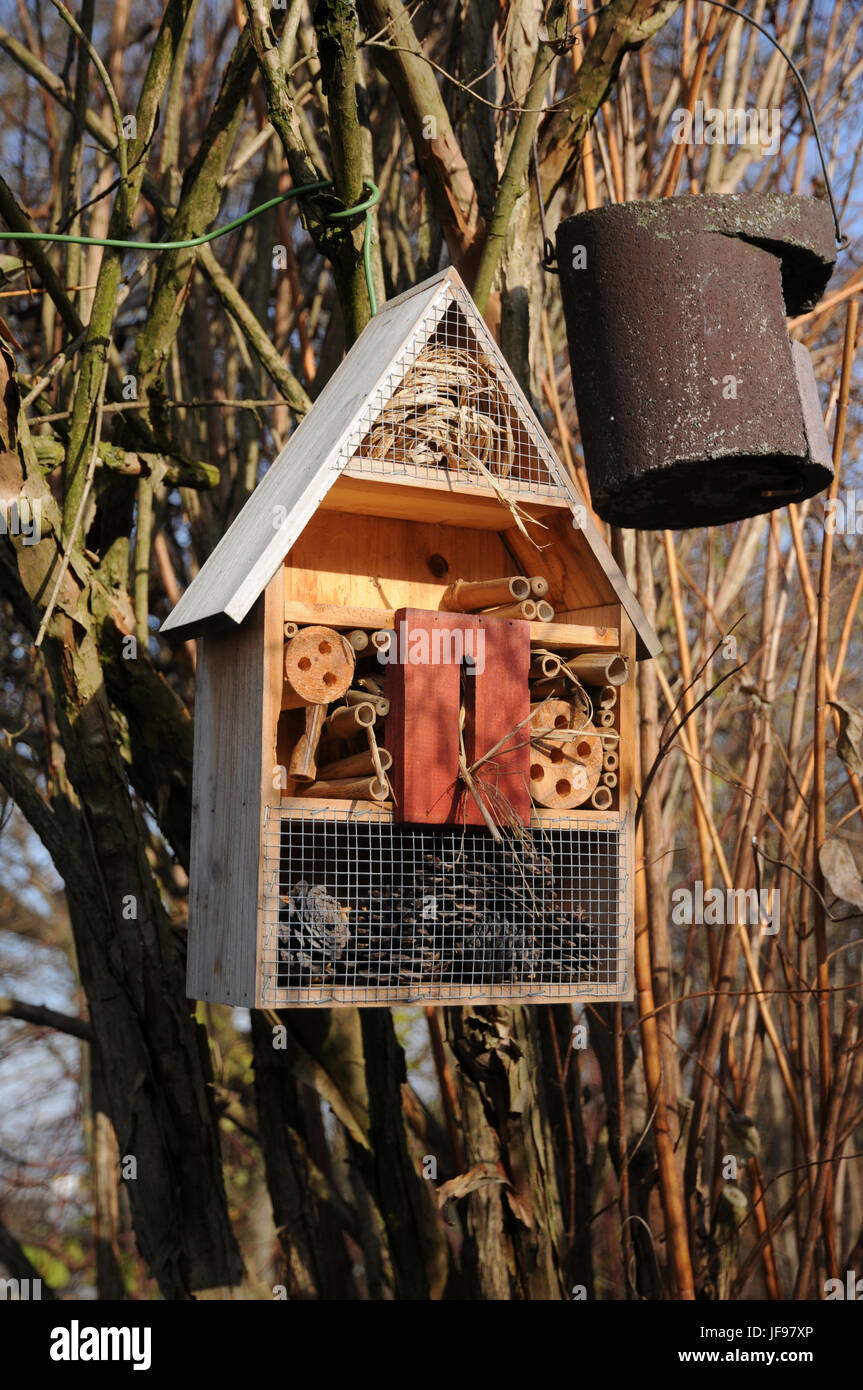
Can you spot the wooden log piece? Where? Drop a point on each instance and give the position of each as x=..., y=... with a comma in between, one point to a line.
x=469, y=596
x=526, y=609
x=302, y=766
x=349, y=719
x=563, y=772
x=319, y=667
x=602, y=799
x=356, y=765
x=349, y=789
x=600, y=668
x=538, y=586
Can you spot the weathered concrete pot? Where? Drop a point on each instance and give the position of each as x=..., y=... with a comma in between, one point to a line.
x=695, y=407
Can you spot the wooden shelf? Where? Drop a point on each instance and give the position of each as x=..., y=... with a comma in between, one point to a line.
x=554, y=634
x=383, y=811
x=453, y=504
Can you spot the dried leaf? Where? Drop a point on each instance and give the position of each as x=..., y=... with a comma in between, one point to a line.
x=850, y=735
x=840, y=871
x=477, y=1176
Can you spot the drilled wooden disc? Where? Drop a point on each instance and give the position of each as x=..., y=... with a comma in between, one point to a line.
x=319, y=665
x=562, y=774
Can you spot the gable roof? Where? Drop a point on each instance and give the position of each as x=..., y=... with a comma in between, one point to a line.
x=328, y=439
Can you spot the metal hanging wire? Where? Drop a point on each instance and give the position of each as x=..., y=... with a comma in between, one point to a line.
x=842, y=240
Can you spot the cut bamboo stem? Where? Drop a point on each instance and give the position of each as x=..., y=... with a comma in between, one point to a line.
x=382, y=638
x=545, y=664
x=373, y=684
x=557, y=689
x=600, y=668
x=526, y=609
x=349, y=789
x=291, y=630
x=544, y=612
x=610, y=761
x=605, y=718
x=358, y=765
x=379, y=704
x=538, y=586
x=603, y=696
x=601, y=799
x=344, y=722
x=609, y=743
x=609, y=779
x=468, y=596
x=358, y=639
x=375, y=754
x=302, y=766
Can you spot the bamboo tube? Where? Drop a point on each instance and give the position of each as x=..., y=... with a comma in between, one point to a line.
x=603, y=696
x=380, y=705
x=373, y=684
x=609, y=779
x=375, y=753
x=601, y=799
x=558, y=689
x=544, y=612
x=605, y=718
x=526, y=609
x=291, y=630
x=349, y=789
x=382, y=638
x=538, y=586
x=609, y=743
x=345, y=722
x=357, y=765
x=610, y=762
x=468, y=596
x=358, y=639
x=302, y=766
x=545, y=664
x=600, y=668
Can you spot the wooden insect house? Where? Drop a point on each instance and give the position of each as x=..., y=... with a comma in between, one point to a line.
x=415, y=719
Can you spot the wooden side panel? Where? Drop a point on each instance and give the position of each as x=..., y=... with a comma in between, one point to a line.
x=626, y=804
x=376, y=562
x=226, y=819
x=239, y=684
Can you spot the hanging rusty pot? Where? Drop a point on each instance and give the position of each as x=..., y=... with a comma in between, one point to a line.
x=695, y=406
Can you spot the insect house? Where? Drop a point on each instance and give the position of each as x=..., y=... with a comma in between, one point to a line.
x=415, y=719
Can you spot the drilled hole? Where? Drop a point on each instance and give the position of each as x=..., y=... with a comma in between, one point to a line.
x=324, y=648
x=583, y=749
x=556, y=755
x=304, y=663
x=563, y=788
x=536, y=771
x=560, y=722
x=329, y=678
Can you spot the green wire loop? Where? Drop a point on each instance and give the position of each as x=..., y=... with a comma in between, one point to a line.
x=300, y=191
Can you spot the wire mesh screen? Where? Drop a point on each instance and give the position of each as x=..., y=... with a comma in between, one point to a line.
x=359, y=910
x=446, y=411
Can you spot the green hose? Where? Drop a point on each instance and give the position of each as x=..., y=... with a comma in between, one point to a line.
x=366, y=206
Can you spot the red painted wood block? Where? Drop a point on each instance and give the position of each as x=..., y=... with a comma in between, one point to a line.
x=499, y=704
x=425, y=685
